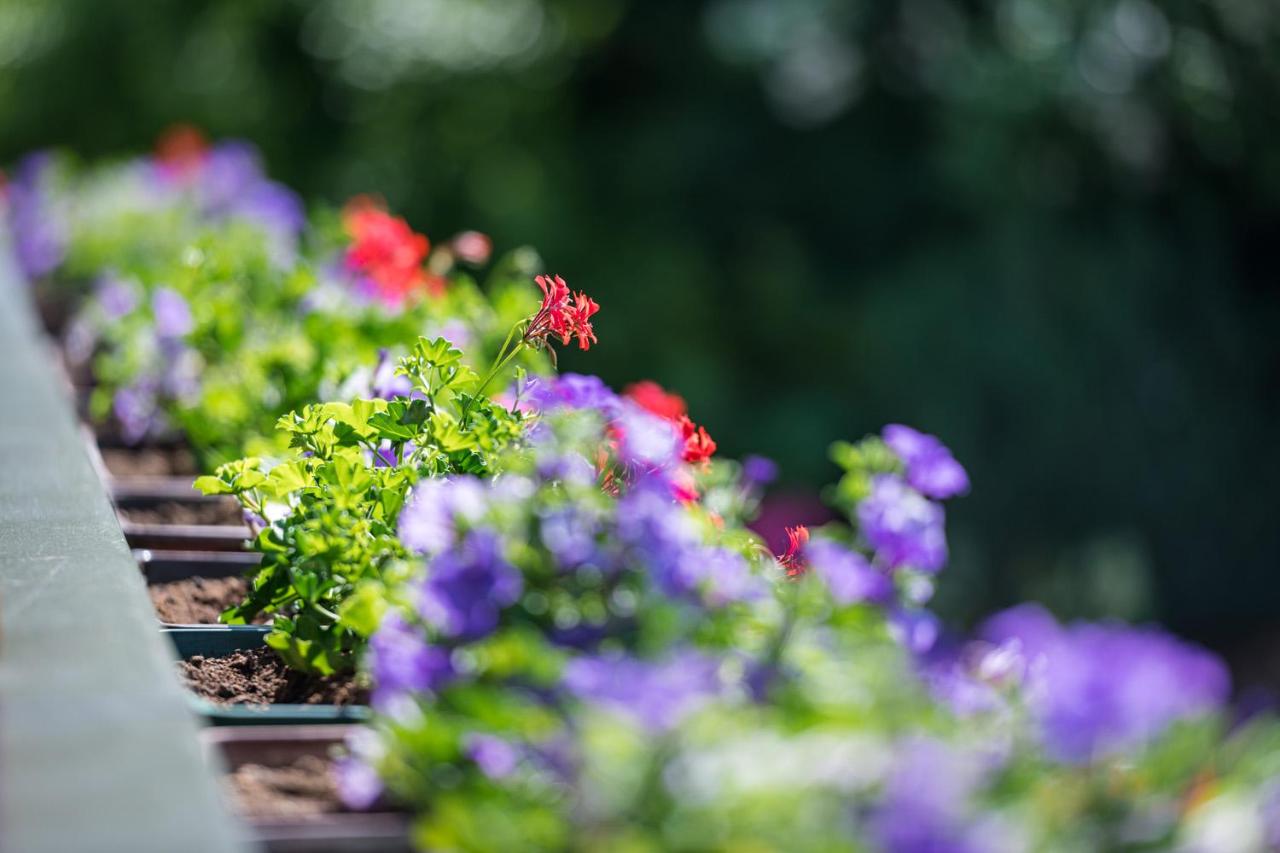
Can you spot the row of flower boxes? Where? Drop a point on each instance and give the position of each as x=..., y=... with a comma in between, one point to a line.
x=276, y=759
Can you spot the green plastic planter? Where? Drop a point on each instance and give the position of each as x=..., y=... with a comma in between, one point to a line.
x=217, y=640
x=170, y=566
x=376, y=831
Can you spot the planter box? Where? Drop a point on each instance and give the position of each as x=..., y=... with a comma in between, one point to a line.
x=219, y=640
x=185, y=537
x=339, y=832
x=128, y=491
x=165, y=566
x=195, y=604
x=166, y=514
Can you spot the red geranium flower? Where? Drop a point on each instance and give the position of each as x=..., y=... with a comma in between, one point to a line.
x=584, y=308
x=698, y=445
x=387, y=252
x=793, y=560
x=561, y=316
x=649, y=395
x=181, y=150
x=653, y=397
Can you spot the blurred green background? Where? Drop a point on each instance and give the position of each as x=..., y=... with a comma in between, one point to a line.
x=1043, y=229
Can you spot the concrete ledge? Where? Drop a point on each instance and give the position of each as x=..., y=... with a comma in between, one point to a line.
x=98, y=750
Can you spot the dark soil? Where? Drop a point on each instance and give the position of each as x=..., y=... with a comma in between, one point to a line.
x=259, y=677
x=149, y=461
x=184, y=512
x=306, y=787
x=197, y=601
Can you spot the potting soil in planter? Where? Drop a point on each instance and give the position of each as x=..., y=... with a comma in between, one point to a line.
x=148, y=461
x=184, y=512
x=197, y=600
x=258, y=677
x=305, y=787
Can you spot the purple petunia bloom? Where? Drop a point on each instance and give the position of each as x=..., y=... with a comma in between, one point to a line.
x=571, y=391
x=645, y=440
x=758, y=471
x=916, y=630
x=386, y=383
x=231, y=184
x=230, y=172
x=429, y=521
x=927, y=804
x=358, y=784
x=40, y=231
x=136, y=410
x=569, y=534
x=1098, y=689
x=467, y=587
x=455, y=331
x=931, y=469
x=725, y=574
x=117, y=297
x=655, y=695
x=847, y=574
x=402, y=661
x=904, y=527
x=172, y=314
x=496, y=758
x=659, y=533
x=273, y=207
x=554, y=465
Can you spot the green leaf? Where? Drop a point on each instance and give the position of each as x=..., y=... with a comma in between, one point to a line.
x=389, y=427
x=287, y=478
x=210, y=485
x=362, y=610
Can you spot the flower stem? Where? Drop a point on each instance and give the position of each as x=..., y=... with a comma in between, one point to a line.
x=500, y=361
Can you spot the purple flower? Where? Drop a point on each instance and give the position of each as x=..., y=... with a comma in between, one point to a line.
x=358, y=784
x=467, y=587
x=455, y=331
x=565, y=467
x=970, y=679
x=726, y=575
x=571, y=391
x=40, y=230
x=136, y=410
x=496, y=758
x=231, y=172
x=931, y=469
x=172, y=314
x=1098, y=689
x=569, y=534
x=386, y=383
x=848, y=576
x=231, y=185
x=916, y=630
x=645, y=440
x=118, y=297
x=429, y=521
x=402, y=661
x=274, y=207
x=927, y=803
x=758, y=471
x=659, y=534
x=904, y=527
x=655, y=695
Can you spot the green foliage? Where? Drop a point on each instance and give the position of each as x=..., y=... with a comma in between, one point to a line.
x=330, y=544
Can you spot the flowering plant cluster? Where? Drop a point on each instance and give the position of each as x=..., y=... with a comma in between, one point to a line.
x=206, y=305
x=572, y=635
